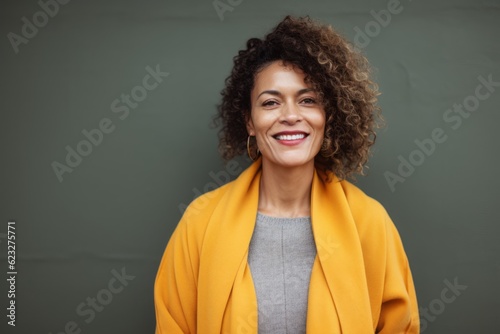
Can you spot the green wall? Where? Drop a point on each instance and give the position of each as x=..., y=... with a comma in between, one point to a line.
x=83, y=222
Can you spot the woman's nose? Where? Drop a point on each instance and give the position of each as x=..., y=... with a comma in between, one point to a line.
x=290, y=113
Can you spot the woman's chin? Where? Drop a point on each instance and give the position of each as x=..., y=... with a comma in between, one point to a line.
x=289, y=161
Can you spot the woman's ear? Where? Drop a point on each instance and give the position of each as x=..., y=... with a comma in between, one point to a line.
x=249, y=124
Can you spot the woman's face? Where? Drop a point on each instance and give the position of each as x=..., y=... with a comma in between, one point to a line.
x=286, y=117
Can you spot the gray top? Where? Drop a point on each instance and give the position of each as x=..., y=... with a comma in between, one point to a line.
x=281, y=255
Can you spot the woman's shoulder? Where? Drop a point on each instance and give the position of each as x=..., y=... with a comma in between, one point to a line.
x=202, y=206
x=196, y=217
x=358, y=199
x=365, y=209
x=372, y=220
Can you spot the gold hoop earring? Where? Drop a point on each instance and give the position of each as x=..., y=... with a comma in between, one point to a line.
x=248, y=150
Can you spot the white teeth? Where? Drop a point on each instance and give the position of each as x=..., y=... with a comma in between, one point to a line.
x=291, y=137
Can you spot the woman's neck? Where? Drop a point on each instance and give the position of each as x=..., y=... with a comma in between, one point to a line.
x=286, y=192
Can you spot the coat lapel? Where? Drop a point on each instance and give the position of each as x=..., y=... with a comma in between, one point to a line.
x=340, y=257
x=225, y=248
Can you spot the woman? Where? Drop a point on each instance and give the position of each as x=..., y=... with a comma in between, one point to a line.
x=290, y=246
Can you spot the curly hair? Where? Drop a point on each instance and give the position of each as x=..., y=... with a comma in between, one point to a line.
x=332, y=66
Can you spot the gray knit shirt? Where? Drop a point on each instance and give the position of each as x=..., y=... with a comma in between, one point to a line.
x=281, y=255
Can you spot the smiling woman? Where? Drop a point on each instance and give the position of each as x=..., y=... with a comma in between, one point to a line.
x=289, y=124
x=290, y=246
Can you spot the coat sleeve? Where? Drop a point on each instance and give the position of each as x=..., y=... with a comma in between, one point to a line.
x=399, y=310
x=175, y=289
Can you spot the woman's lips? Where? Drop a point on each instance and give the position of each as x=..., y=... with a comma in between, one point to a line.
x=290, y=138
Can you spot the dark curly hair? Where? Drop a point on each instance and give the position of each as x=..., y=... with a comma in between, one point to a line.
x=339, y=74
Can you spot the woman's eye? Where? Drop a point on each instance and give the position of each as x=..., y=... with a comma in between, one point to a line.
x=308, y=101
x=269, y=103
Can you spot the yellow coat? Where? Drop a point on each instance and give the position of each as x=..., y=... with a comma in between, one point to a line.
x=360, y=281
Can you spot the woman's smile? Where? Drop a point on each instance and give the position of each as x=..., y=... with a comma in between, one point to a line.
x=291, y=138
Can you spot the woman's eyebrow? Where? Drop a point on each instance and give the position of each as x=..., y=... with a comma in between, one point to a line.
x=278, y=93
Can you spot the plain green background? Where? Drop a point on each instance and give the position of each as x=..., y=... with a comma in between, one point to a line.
x=118, y=207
